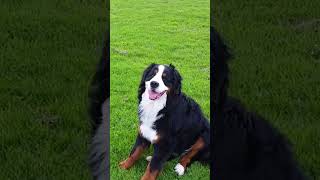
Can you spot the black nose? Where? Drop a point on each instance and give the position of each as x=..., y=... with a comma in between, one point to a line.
x=154, y=84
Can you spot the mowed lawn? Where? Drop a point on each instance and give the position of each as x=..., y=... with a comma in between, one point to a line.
x=159, y=31
x=48, y=54
x=276, y=69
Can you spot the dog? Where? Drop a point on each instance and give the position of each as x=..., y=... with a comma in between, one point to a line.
x=245, y=146
x=169, y=120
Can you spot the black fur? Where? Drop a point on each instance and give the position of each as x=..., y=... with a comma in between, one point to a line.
x=99, y=115
x=181, y=125
x=142, y=87
x=244, y=145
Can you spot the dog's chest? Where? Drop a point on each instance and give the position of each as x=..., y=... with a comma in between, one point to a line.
x=148, y=115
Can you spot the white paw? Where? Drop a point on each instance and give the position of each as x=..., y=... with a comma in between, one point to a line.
x=179, y=169
x=148, y=158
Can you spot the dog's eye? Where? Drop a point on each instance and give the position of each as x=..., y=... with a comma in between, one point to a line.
x=155, y=71
x=165, y=77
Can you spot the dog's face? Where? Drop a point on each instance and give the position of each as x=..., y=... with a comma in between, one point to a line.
x=160, y=79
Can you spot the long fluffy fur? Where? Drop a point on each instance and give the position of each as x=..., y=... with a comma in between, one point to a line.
x=245, y=146
x=181, y=122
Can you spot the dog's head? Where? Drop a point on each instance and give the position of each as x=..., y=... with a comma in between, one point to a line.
x=159, y=79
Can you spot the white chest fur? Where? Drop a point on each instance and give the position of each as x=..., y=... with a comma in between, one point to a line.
x=149, y=110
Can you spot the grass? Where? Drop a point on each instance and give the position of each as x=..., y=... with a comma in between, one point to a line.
x=49, y=50
x=276, y=70
x=160, y=31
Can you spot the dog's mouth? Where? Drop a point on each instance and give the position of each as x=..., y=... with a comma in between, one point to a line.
x=153, y=95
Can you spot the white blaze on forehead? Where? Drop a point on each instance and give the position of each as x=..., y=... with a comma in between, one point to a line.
x=158, y=78
x=160, y=70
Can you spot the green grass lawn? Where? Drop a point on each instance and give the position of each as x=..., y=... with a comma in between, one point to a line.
x=276, y=70
x=48, y=54
x=49, y=50
x=159, y=31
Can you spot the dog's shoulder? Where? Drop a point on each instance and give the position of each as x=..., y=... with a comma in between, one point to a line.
x=188, y=103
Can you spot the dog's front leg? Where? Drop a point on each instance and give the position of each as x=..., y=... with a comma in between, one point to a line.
x=162, y=152
x=137, y=150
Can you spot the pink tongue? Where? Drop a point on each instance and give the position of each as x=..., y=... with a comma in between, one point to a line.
x=153, y=95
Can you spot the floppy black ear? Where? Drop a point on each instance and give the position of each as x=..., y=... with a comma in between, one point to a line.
x=176, y=81
x=142, y=87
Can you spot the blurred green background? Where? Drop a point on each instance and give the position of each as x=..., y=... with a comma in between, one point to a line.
x=49, y=51
x=276, y=69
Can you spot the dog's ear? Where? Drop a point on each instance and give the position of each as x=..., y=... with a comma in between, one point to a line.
x=142, y=82
x=172, y=66
x=176, y=80
x=146, y=71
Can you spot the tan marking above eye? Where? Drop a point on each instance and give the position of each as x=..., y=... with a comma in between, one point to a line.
x=155, y=71
x=164, y=75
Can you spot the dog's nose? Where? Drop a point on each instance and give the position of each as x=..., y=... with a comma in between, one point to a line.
x=154, y=84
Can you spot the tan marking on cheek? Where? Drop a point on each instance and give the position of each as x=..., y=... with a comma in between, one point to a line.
x=169, y=90
x=155, y=141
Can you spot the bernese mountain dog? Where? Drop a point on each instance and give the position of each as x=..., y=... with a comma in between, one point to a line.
x=169, y=120
x=245, y=146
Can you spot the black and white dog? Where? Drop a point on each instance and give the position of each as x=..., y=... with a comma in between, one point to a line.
x=169, y=120
x=244, y=145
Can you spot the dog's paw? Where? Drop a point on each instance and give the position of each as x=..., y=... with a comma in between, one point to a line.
x=125, y=164
x=148, y=158
x=179, y=169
